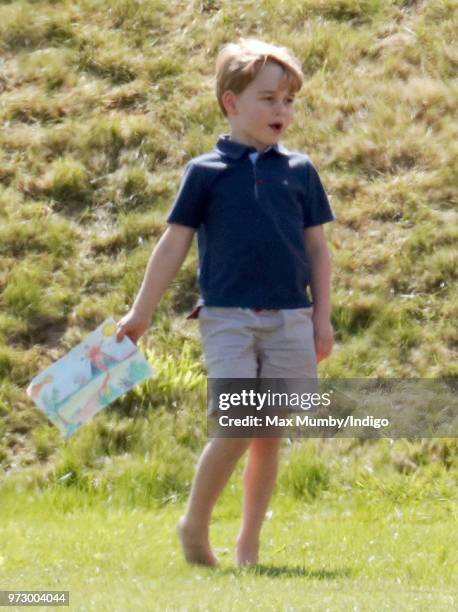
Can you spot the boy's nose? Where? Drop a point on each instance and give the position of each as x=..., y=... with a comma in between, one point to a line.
x=280, y=108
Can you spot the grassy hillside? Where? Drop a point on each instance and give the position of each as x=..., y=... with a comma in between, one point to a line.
x=101, y=105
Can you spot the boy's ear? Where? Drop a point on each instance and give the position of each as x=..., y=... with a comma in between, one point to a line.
x=229, y=101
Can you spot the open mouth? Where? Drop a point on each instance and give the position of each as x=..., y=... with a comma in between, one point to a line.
x=276, y=127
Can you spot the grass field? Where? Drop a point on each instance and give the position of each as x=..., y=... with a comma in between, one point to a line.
x=101, y=105
x=383, y=544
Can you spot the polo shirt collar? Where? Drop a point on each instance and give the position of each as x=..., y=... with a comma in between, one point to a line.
x=235, y=149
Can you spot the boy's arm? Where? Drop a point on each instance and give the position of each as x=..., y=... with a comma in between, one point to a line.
x=163, y=265
x=320, y=285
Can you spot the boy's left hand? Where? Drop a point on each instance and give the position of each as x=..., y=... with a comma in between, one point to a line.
x=323, y=335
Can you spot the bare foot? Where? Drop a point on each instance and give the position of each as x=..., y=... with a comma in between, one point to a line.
x=195, y=544
x=247, y=551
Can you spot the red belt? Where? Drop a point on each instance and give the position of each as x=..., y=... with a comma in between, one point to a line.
x=195, y=312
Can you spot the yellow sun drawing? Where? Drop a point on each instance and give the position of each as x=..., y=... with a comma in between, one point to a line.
x=109, y=329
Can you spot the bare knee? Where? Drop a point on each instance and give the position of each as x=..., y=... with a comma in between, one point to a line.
x=265, y=446
x=232, y=447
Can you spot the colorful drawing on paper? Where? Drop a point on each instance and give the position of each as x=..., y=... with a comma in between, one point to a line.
x=88, y=378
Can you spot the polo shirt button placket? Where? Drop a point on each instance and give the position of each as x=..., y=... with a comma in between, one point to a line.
x=257, y=181
x=256, y=193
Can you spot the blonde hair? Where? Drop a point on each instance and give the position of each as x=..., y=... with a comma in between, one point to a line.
x=238, y=64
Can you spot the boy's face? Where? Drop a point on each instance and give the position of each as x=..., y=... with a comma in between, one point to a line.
x=260, y=114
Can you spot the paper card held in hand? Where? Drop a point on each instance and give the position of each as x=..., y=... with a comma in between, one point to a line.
x=92, y=375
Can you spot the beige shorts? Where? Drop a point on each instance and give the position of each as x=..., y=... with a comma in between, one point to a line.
x=243, y=343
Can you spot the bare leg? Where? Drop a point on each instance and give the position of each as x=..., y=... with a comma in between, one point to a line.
x=259, y=479
x=214, y=468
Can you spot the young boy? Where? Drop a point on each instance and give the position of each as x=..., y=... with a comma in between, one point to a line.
x=258, y=209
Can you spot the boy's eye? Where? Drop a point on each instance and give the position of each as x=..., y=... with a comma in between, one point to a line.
x=269, y=98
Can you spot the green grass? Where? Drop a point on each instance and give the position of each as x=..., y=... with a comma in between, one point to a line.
x=359, y=549
x=101, y=105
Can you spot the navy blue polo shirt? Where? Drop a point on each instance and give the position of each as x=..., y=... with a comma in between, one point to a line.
x=250, y=216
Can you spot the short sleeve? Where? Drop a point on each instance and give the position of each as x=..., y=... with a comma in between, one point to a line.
x=316, y=207
x=189, y=205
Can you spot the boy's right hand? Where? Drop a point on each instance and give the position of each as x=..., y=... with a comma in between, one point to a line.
x=132, y=325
